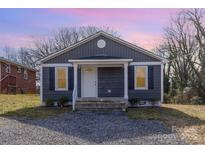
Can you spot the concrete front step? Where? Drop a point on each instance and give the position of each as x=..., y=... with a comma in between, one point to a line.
x=103, y=99
x=80, y=105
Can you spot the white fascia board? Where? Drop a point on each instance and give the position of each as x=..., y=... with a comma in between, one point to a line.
x=146, y=63
x=57, y=65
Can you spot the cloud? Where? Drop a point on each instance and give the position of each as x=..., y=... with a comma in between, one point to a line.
x=119, y=14
x=124, y=20
x=16, y=41
x=140, y=26
x=148, y=41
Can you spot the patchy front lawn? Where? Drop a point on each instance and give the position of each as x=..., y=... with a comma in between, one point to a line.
x=26, y=105
x=187, y=120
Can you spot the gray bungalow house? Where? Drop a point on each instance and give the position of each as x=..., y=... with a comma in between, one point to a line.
x=103, y=71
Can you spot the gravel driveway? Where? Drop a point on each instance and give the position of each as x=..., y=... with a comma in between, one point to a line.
x=86, y=128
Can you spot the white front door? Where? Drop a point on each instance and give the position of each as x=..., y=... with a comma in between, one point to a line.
x=89, y=82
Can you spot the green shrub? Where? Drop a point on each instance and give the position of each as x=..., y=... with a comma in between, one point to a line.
x=178, y=99
x=188, y=93
x=134, y=101
x=173, y=92
x=153, y=101
x=63, y=100
x=49, y=102
x=197, y=100
x=167, y=98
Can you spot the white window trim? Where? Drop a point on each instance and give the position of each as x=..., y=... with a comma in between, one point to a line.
x=57, y=65
x=146, y=78
x=56, y=81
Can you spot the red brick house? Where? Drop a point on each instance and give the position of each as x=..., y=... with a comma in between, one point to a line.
x=16, y=78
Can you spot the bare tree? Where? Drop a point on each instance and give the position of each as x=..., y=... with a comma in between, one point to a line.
x=64, y=37
x=183, y=45
x=180, y=47
x=197, y=18
x=10, y=53
x=25, y=57
x=59, y=39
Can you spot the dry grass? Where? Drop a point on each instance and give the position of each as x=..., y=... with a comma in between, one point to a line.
x=192, y=129
x=26, y=105
x=188, y=120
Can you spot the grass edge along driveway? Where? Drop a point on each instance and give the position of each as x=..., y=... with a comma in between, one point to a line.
x=187, y=120
x=27, y=105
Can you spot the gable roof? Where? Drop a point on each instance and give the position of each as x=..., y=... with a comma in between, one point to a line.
x=2, y=59
x=102, y=33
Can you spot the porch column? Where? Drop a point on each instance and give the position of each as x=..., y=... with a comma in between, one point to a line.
x=125, y=81
x=75, y=88
x=162, y=83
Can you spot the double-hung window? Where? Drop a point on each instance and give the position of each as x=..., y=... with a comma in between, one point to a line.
x=8, y=68
x=141, y=77
x=18, y=69
x=61, y=78
x=25, y=74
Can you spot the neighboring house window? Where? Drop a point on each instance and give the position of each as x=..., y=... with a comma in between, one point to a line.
x=141, y=77
x=61, y=78
x=8, y=68
x=25, y=74
x=18, y=69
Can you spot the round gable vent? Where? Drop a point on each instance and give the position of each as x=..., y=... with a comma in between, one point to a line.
x=101, y=43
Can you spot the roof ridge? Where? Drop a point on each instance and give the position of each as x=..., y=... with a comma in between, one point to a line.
x=101, y=32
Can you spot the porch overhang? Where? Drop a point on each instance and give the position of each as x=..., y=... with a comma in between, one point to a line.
x=100, y=61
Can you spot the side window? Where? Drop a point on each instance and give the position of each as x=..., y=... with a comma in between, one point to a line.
x=8, y=68
x=25, y=74
x=141, y=77
x=18, y=69
x=61, y=78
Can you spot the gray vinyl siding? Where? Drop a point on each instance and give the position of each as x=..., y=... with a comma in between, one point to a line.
x=110, y=78
x=52, y=94
x=154, y=93
x=112, y=48
x=56, y=95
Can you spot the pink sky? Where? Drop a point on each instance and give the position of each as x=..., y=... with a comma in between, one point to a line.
x=144, y=27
